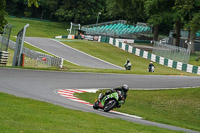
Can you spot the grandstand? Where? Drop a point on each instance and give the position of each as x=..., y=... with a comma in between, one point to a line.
x=198, y=35
x=118, y=28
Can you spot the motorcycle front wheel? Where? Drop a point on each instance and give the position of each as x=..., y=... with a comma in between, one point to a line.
x=110, y=105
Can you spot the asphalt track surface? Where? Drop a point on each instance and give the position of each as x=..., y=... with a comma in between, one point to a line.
x=68, y=53
x=40, y=85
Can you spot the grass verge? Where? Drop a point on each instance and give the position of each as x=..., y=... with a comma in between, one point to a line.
x=101, y=50
x=118, y=57
x=193, y=59
x=26, y=115
x=179, y=107
x=38, y=28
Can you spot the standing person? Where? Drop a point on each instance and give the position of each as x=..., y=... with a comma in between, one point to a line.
x=151, y=67
x=128, y=64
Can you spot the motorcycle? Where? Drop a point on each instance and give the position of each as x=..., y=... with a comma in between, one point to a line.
x=128, y=66
x=108, y=102
x=151, y=69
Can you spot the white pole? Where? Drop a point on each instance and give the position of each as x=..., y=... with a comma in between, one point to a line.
x=79, y=26
x=61, y=63
x=99, y=13
x=70, y=29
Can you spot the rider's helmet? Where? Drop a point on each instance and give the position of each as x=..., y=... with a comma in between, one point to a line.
x=125, y=87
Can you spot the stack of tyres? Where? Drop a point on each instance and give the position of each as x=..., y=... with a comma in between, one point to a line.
x=3, y=57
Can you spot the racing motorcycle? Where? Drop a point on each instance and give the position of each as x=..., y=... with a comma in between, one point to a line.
x=110, y=101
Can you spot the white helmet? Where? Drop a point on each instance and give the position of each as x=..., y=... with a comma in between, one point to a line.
x=125, y=87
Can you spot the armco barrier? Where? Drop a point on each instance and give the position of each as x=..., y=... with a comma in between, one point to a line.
x=54, y=61
x=64, y=37
x=160, y=60
x=139, y=52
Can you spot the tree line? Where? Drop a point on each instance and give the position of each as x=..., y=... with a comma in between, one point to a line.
x=163, y=15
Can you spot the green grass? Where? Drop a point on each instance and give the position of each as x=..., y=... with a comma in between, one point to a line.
x=180, y=107
x=118, y=57
x=20, y=115
x=101, y=50
x=38, y=28
x=193, y=59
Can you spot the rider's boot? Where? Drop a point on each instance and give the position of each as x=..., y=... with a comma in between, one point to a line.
x=118, y=106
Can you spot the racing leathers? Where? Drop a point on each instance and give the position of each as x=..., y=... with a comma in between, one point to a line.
x=122, y=94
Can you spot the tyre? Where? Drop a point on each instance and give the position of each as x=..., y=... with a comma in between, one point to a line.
x=96, y=105
x=110, y=105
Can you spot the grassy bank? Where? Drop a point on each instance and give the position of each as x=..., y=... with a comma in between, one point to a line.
x=20, y=115
x=178, y=107
x=118, y=57
x=108, y=53
x=193, y=58
x=101, y=50
x=38, y=28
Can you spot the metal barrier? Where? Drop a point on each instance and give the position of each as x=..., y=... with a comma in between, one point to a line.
x=18, y=56
x=5, y=37
x=54, y=61
x=160, y=60
x=171, y=52
x=105, y=23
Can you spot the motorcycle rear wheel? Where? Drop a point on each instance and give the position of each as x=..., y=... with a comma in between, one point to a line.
x=96, y=105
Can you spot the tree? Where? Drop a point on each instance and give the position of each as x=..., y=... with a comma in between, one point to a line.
x=49, y=6
x=190, y=12
x=80, y=11
x=35, y=2
x=114, y=10
x=194, y=25
x=3, y=20
x=158, y=11
x=132, y=10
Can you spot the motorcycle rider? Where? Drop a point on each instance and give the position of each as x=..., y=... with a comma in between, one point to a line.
x=151, y=67
x=122, y=91
x=128, y=65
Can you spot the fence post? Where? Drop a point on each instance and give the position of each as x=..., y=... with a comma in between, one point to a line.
x=61, y=63
x=22, y=60
x=19, y=46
